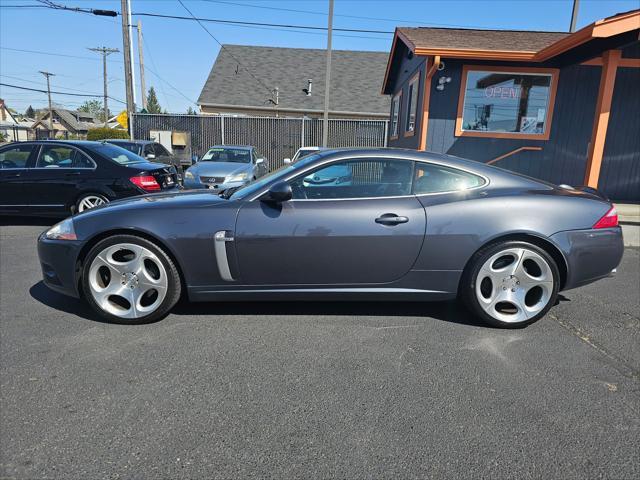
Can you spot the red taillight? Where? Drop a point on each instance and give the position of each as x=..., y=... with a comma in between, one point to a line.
x=610, y=219
x=146, y=182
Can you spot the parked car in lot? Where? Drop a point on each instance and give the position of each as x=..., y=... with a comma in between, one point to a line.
x=152, y=151
x=410, y=226
x=303, y=152
x=226, y=166
x=58, y=178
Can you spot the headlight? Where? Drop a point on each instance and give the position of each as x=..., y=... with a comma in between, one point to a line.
x=238, y=177
x=62, y=231
x=189, y=175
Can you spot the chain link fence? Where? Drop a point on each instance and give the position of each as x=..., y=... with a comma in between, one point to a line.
x=275, y=137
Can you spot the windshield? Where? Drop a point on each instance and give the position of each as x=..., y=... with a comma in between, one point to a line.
x=281, y=172
x=117, y=154
x=233, y=155
x=304, y=153
x=132, y=147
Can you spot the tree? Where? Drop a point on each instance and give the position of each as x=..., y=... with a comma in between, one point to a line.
x=95, y=108
x=153, y=106
x=191, y=111
x=30, y=112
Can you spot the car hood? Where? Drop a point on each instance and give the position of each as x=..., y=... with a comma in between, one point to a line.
x=219, y=169
x=165, y=201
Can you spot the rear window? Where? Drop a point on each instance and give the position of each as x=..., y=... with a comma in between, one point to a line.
x=433, y=178
x=117, y=154
x=132, y=147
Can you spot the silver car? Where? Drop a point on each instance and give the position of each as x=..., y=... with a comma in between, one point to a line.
x=224, y=167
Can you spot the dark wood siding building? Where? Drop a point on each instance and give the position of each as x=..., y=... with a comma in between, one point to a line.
x=560, y=107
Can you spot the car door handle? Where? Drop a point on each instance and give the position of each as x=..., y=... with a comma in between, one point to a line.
x=13, y=175
x=72, y=174
x=391, y=219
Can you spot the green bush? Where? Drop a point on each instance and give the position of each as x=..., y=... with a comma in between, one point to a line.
x=105, y=133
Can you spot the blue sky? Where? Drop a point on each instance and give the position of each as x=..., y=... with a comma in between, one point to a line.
x=179, y=54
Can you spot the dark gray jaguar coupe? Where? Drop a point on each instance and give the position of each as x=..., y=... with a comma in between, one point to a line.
x=402, y=225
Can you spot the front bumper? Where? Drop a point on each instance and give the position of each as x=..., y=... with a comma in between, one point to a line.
x=59, y=264
x=590, y=254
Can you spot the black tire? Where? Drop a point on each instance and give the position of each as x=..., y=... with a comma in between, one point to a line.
x=174, y=288
x=76, y=207
x=468, y=284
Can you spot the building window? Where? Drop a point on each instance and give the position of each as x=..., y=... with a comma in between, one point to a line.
x=412, y=105
x=506, y=102
x=395, y=115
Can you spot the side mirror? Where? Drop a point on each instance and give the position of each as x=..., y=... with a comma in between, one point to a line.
x=150, y=156
x=259, y=161
x=286, y=160
x=194, y=159
x=279, y=192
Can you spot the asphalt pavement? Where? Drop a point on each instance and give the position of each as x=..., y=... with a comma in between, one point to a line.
x=316, y=390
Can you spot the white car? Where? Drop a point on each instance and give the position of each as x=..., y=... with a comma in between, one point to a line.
x=303, y=152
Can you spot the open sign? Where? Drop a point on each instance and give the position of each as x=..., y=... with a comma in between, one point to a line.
x=502, y=92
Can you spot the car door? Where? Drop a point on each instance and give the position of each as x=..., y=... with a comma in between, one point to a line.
x=367, y=230
x=59, y=171
x=14, y=162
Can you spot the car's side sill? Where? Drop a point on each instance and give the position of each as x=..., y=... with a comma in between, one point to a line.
x=328, y=294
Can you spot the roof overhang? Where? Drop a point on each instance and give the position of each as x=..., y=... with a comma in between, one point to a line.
x=622, y=25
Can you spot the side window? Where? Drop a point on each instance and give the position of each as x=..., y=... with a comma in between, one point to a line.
x=56, y=156
x=160, y=150
x=432, y=178
x=15, y=157
x=362, y=178
x=148, y=150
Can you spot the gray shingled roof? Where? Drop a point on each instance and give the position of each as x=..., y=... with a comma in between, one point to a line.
x=355, y=79
x=462, y=38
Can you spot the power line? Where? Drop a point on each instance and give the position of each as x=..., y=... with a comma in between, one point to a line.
x=222, y=47
x=71, y=94
x=378, y=19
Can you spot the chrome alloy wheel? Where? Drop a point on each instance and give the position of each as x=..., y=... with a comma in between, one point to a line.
x=514, y=285
x=128, y=280
x=90, y=201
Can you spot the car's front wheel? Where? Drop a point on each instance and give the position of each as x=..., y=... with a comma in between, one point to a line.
x=129, y=279
x=511, y=284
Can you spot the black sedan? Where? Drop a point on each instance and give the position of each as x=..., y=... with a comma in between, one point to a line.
x=402, y=225
x=58, y=178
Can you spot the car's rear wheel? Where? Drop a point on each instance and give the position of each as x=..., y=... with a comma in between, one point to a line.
x=129, y=279
x=90, y=200
x=511, y=284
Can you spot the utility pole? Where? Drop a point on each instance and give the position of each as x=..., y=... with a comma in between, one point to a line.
x=143, y=87
x=327, y=79
x=574, y=15
x=128, y=74
x=105, y=52
x=47, y=74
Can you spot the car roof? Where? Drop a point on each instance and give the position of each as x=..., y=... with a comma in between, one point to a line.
x=239, y=147
x=124, y=140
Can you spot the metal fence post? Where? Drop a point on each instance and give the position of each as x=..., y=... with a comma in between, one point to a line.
x=222, y=128
x=302, y=133
x=386, y=130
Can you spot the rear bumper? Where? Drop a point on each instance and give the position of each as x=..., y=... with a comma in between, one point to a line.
x=58, y=261
x=590, y=254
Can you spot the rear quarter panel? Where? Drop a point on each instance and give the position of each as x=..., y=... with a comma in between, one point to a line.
x=458, y=224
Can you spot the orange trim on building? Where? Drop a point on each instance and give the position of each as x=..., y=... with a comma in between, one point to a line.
x=554, y=72
x=623, y=62
x=513, y=152
x=430, y=70
x=601, y=121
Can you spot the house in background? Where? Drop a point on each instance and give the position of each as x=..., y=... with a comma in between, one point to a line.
x=66, y=123
x=563, y=107
x=291, y=82
x=12, y=129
